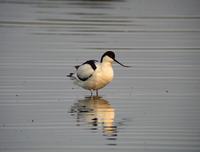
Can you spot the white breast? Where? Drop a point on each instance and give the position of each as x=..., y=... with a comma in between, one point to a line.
x=102, y=76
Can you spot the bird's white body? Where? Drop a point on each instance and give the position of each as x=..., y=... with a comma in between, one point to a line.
x=93, y=75
x=101, y=76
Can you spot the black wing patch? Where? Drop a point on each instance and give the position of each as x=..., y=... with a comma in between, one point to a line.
x=83, y=73
x=84, y=79
x=77, y=66
x=91, y=63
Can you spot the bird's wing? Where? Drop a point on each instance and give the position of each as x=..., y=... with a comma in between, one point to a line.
x=86, y=70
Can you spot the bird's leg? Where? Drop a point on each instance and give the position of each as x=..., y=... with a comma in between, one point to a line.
x=91, y=93
x=97, y=93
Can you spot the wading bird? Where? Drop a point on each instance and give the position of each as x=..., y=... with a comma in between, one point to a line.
x=93, y=75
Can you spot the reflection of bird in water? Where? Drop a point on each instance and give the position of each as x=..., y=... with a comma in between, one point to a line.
x=97, y=112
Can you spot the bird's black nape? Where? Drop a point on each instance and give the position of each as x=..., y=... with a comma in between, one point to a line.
x=111, y=54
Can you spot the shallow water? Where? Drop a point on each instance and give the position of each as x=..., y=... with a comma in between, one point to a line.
x=153, y=106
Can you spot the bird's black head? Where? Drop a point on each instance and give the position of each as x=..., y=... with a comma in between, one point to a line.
x=110, y=54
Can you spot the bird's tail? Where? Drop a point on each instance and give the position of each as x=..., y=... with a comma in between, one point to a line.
x=71, y=76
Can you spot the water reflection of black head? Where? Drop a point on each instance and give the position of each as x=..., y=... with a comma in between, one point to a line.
x=97, y=112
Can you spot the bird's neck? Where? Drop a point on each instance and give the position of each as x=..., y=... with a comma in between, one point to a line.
x=106, y=64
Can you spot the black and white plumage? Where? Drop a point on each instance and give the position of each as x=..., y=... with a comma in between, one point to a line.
x=94, y=75
x=86, y=70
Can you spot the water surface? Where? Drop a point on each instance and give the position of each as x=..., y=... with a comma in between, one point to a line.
x=153, y=106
